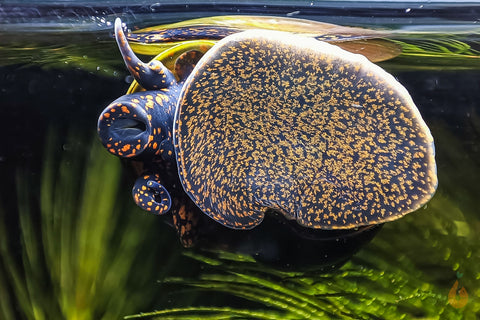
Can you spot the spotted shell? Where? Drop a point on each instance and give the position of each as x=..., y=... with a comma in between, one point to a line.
x=271, y=120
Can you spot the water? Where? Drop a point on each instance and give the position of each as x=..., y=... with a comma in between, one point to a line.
x=74, y=245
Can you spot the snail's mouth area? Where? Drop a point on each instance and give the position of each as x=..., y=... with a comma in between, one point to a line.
x=125, y=136
x=128, y=127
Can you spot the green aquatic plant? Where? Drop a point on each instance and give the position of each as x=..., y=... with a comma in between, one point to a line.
x=434, y=51
x=357, y=291
x=82, y=254
x=444, y=46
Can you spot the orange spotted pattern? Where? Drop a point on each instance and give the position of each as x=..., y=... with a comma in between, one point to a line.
x=273, y=120
x=153, y=199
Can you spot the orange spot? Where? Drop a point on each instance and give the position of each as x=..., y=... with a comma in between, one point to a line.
x=125, y=109
x=460, y=300
x=149, y=104
x=126, y=148
x=160, y=98
x=154, y=145
x=106, y=115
